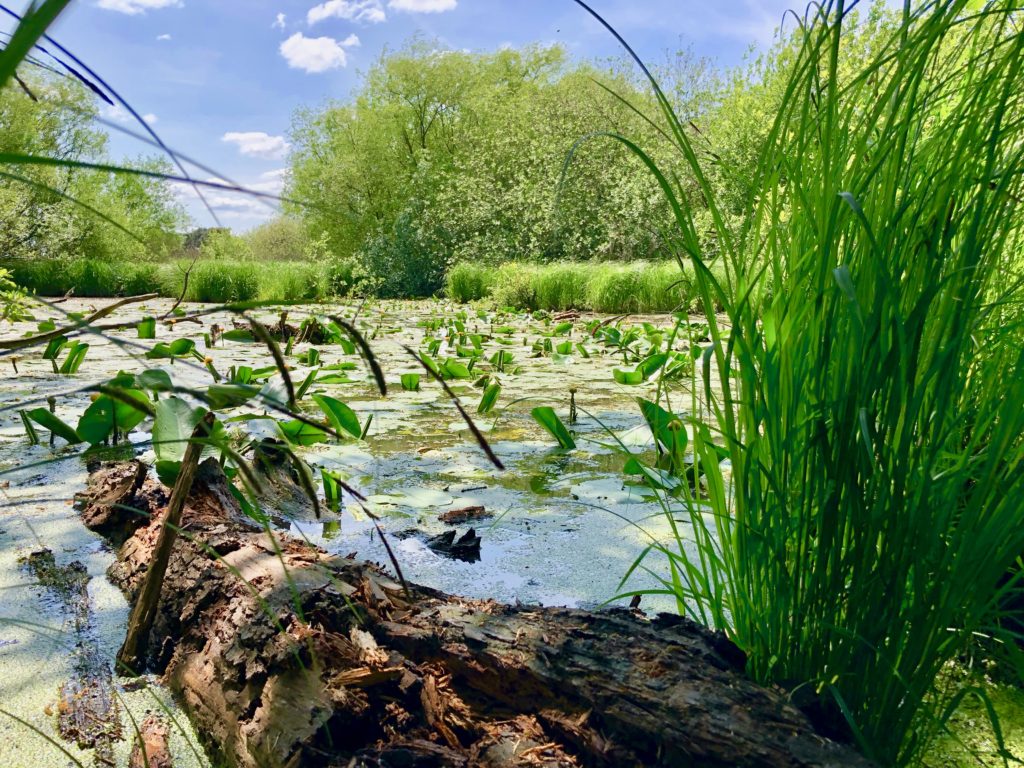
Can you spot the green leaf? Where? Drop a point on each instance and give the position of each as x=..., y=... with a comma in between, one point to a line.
x=411, y=382
x=341, y=417
x=54, y=347
x=55, y=424
x=76, y=355
x=238, y=334
x=300, y=433
x=147, y=328
x=630, y=378
x=548, y=419
x=490, y=397
x=173, y=425
x=155, y=380
x=453, y=369
x=33, y=25
x=100, y=418
x=650, y=365
x=220, y=396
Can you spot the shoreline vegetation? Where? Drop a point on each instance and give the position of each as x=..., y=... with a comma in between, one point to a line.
x=613, y=288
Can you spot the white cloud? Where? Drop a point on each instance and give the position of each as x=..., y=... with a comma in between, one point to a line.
x=279, y=21
x=368, y=11
x=235, y=205
x=133, y=7
x=163, y=37
x=118, y=114
x=423, y=6
x=271, y=182
x=316, y=54
x=258, y=144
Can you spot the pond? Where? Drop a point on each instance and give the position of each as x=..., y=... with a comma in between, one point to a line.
x=561, y=527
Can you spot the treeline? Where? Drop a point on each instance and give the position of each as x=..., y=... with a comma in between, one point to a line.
x=54, y=210
x=446, y=156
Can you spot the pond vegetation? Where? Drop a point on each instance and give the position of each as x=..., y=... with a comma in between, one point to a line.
x=766, y=374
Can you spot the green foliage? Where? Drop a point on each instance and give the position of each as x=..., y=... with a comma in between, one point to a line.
x=280, y=239
x=222, y=245
x=52, y=211
x=223, y=282
x=601, y=287
x=548, y=419
x=469, y=282
x=869, y=367
x=441, y=159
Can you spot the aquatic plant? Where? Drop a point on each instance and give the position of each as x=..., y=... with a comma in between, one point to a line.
x=870, y=368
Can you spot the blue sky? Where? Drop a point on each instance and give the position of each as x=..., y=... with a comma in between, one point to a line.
x=220, y=79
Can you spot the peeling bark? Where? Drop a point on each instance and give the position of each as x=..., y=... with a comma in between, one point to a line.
x=285, y=655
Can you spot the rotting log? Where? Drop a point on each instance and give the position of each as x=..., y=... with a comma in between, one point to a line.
x=284, y=655
x=151, y=748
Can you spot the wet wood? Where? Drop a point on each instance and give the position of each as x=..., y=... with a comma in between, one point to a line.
x=151, y=749
x=285, y=655
x=130, y=656
x=464, y=515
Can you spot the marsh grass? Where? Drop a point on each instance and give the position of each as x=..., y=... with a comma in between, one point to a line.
x=871, y=371
x=210, y=281
x=615, y=288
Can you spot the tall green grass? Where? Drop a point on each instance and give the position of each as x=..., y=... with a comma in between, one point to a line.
x=601, y=287
x=209, y=281
x=871, y=371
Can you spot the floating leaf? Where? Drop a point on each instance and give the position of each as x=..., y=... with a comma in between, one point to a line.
x=630, y=378
x=147, y=328
x=411, y=382
x=301, y=433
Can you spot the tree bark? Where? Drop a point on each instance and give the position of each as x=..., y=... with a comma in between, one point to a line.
x=285, y=655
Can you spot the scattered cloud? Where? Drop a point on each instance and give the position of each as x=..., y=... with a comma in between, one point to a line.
x=258, y=144
x=118, y=114
x=134, y=7
x=423, y=6
x=279, y=21
x=365, y=11
x=163, y=37
x=271, y=182
x=316, y=54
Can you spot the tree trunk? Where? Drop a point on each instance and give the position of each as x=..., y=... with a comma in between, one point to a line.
x=285, y=655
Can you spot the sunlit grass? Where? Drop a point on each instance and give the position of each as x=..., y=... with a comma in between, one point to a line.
x=871, y=371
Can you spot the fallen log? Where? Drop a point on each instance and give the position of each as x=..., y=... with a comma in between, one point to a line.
x=285, y=655
x=151, y=745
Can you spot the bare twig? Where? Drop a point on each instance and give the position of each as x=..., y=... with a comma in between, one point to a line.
x=43, y=338
x=132, y=652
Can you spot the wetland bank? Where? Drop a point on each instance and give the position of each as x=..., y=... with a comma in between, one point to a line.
x=557, y=527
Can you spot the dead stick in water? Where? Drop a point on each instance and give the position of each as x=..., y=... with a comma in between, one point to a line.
x=42, y=338
x=131, y=655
